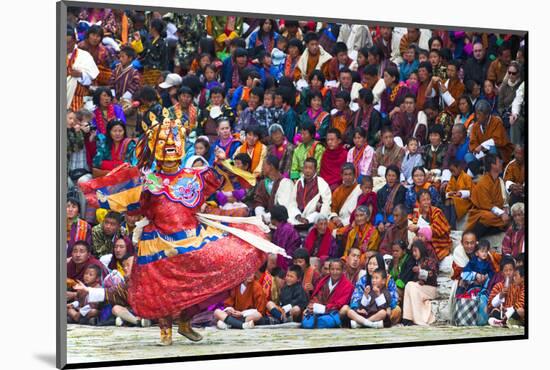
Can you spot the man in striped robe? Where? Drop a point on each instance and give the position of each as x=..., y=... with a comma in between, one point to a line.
x=81, y=71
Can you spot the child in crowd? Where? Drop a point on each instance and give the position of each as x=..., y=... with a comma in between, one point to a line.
x=80, y=311
x=374, y=308
x=244, y=306
x=267, y=114
x=292, y=301
x=478, y=272
x=507, y=300
x=367, y=198
x=411, y=160
x=412, y=82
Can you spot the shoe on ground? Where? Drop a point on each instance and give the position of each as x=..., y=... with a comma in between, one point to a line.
x=119, y=322
x=145, y=323
x=221, y=325
x=353, y=324
x=248, y=325
x=496, y=322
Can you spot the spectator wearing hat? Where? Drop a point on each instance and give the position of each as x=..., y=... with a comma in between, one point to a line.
x=169, y=89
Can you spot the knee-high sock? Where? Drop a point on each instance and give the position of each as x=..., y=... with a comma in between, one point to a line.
x=128, y=317
x=234, y=322
x=275, y=313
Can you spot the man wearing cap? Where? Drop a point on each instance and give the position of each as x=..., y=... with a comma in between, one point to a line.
x=170, y=89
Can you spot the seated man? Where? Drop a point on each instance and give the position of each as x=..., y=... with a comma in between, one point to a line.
x=329, y=296
x=489, y=214
x=352, y=269
x=273, y=190
x=344, y=198
x=105, y=233
x=319, y=242
x=285, y=235
x=333, y=158
x=292, y=301
x=514, y=177
x=387, y=154
x=397, y=231
x=308, y=148
x=311, y=196
x=410, y=123
x=488, y=135
x=245, y=305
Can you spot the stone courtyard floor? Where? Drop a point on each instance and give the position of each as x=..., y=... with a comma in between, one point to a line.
x=92, y=344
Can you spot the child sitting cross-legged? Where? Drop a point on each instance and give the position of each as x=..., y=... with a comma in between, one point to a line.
x=81, y=311
x=507, y=300
x=243, y=307
x=292, y=301
x=373, y=310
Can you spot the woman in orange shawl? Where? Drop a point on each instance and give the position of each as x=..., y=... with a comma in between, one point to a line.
x=433, y=217
x=362, y=234
x=255, y=149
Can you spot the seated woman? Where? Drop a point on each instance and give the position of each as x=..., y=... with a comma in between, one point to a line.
x=320, y=242
x=202, y=148
x=359, y=310
x=316, y=81
x=361, y=234
x=401, y=267
x=417, y=307
x=105, y=110
x=77, y=228
x=225, y=140
x=514, y=239
x=255, y=149
x=390, y=195
x=361, y=154
x=113, y=261
x=316, y=114
x=113, y=149
x=420, y=181
x=432, y=217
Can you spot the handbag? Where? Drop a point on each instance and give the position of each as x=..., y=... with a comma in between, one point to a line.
x=323, y=321
x=77, y=173
x=466, y=312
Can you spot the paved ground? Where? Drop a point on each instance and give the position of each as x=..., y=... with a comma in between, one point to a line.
x=90, y=344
